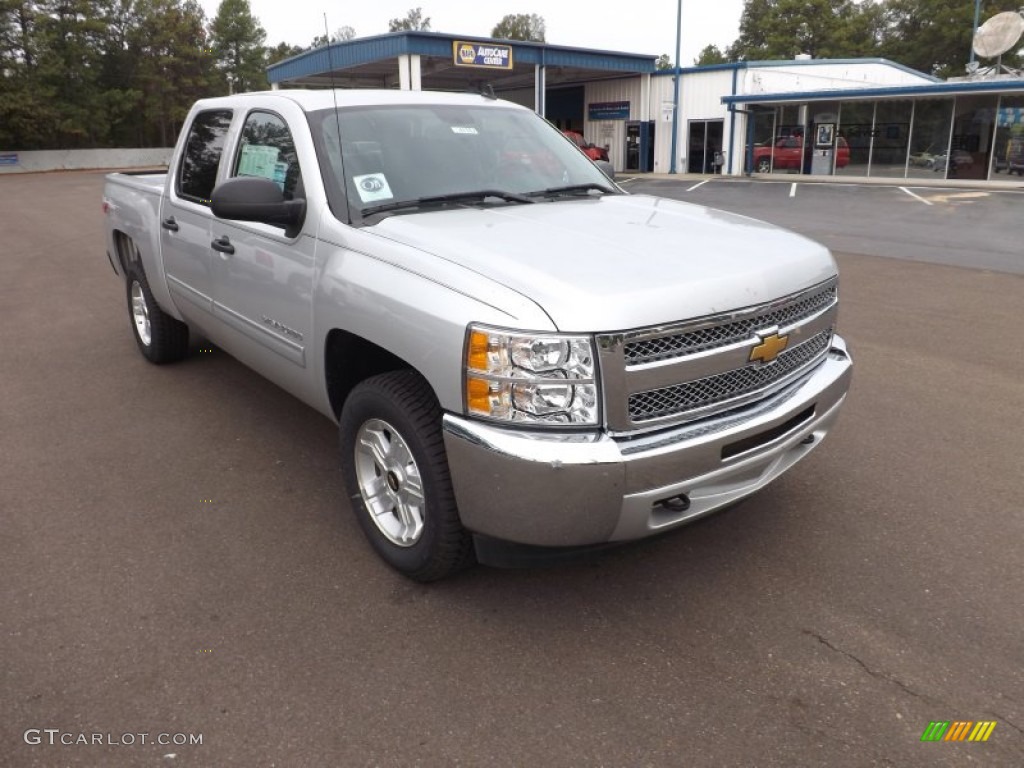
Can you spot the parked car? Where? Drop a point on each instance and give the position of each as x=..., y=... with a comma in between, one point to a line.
x=521, y=357
x=788, y=153
x=1012, y=158
x=592, y=151
x=961, y=159
x=922, y=159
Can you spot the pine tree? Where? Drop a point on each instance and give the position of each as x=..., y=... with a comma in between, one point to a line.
x=236, y=39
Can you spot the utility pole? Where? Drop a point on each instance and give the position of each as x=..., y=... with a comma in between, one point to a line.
x=977, y=15
x=675, y=94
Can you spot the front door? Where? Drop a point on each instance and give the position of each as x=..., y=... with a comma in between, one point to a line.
x=632, y=146
x=705, y=146
x=264, y=276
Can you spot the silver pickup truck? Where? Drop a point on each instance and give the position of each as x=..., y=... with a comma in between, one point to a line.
x=521, y=357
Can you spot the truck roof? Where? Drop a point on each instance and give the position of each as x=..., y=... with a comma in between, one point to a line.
x=312, y=100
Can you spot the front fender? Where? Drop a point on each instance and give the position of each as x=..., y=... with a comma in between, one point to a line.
x=411, y=303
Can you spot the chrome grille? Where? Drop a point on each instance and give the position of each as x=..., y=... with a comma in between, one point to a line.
x=710, y=337
x=701, y=393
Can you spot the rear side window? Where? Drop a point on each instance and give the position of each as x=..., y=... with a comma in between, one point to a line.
x=199, y=162
x=268, y=151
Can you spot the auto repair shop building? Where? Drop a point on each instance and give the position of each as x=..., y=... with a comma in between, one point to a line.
x=863, y=117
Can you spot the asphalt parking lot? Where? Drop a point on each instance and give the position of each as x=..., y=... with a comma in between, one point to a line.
x=958, y=226
x=178, y=558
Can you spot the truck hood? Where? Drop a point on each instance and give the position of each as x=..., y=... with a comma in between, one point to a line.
x=619, y=261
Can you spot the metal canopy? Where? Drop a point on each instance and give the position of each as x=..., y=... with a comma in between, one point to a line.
x=371, y=62
x=882, y=92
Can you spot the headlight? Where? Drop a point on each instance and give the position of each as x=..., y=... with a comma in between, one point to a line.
x=537, y=378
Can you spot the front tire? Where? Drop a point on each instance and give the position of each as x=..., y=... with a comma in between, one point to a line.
x=396, y=471
x=160, y=337
x=764, y=165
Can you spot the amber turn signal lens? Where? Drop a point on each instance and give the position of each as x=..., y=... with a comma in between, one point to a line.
x=478, y=395
x=478, y=345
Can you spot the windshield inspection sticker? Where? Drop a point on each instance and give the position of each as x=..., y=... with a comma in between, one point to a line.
x=467, y=129
x=372, y=187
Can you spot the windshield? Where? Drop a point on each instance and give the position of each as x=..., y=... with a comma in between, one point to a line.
x=430, y=154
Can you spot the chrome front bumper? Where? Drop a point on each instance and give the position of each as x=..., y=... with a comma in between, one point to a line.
x=562, y=490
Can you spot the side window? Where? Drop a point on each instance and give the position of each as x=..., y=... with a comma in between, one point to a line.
x=198, y=172
x=266, y=150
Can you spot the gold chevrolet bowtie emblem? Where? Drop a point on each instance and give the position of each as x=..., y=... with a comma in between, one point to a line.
x=769, y=348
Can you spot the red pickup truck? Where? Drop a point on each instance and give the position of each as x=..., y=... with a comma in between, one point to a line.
x=592, y=151
x=788, y=153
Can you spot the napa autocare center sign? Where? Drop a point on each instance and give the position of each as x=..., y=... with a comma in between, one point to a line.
x=485, y=55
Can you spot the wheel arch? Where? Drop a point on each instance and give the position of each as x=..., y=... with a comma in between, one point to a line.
x=127, y=253
x=350, y=359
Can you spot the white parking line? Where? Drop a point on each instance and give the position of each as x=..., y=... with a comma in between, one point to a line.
x=916, y=197
x=792, y=190
x=698, y=184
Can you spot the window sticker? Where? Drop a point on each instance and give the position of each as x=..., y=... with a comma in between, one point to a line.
x=280, y=174
x=259, y=160
x=464, y=129
x=372, y=187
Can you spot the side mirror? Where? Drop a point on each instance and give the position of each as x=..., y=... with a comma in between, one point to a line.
x=606, y=168
x=251, y=198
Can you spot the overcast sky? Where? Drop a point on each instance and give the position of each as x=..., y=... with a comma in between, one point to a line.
x=635, y=26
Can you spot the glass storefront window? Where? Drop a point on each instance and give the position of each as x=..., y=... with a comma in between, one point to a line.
x=966, y=137
x=971, y=146
x=1008, y=147
x=777, y=141
x=930, y=138
x=763, y=133
x=891, y=139
x=856, y=123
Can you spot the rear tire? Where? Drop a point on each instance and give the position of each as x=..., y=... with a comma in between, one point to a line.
x=396, y=471
x=160, y=337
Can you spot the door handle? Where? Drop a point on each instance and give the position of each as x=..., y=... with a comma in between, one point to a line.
x=223, y=244
x=169, y=224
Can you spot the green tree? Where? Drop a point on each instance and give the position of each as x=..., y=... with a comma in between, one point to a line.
x=176, y=65
x=664, y=62
x=934, y=36
x=70, y=35
x=236, y=39
x=341, y=34
x=118, y=79
x=27, y=106
x=520, y=26
x=711, y=54
x=283, y=51
x=412, y=21
x=782, y=29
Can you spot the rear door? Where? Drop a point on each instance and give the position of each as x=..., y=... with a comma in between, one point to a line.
x=185, y=218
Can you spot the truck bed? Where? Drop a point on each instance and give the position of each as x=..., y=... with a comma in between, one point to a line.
x=147, y=181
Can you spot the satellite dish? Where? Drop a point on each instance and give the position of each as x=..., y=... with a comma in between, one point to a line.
x=999, y=34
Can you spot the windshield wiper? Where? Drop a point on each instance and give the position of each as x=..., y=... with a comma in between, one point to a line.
x=476, y=196
x=572, y=189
